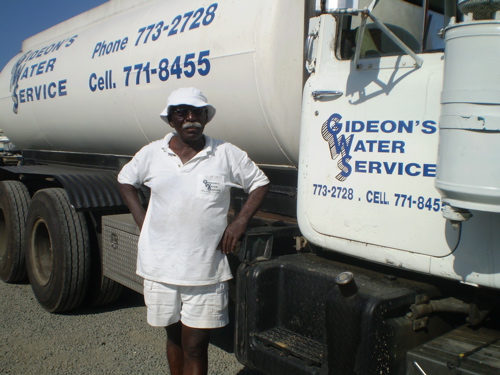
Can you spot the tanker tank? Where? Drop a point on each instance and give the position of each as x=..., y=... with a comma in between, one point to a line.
x=97, y=82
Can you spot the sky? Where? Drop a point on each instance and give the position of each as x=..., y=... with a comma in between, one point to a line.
x=20, y=19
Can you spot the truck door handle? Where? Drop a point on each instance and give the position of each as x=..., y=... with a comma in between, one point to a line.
x=326, y=94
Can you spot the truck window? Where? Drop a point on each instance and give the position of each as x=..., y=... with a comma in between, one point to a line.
x=404, y=18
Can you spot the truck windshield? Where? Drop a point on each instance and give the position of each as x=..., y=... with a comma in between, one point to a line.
x=414, y=22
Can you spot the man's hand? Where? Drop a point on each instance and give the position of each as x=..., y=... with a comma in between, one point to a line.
x=238, y=226
x=231, y=236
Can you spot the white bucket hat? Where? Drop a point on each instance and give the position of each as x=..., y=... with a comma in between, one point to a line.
x=188, y=96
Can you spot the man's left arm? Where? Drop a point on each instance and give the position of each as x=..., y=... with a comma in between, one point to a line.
x=238, y=226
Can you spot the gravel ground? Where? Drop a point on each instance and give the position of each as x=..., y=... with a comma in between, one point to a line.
x=109, y=340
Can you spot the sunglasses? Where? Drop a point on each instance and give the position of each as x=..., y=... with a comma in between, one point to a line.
x=183, y=112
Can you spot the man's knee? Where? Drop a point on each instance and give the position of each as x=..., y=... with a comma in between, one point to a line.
x=195, y=341
x=196, y=353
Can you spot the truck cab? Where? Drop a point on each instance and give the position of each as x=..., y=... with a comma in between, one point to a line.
x=398, y=258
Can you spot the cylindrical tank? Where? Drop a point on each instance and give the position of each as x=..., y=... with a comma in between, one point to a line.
x=98, y=82
x=468, y=173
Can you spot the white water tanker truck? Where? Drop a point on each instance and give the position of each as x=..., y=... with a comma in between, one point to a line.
x=377, y=250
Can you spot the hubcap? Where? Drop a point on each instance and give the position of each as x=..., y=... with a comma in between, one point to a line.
x=41, y=252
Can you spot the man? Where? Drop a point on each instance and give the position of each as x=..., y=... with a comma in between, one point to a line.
x=184, y=233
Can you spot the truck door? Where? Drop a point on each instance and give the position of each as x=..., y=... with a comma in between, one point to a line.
x=369, y=136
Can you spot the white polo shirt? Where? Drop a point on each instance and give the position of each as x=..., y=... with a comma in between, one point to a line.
x=187, y=212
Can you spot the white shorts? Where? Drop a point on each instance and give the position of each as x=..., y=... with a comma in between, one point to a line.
x=203, y=306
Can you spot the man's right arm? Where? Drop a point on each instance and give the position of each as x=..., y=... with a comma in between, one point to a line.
x=131, y=197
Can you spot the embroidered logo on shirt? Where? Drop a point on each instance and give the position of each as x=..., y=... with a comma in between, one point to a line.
x=208, y=184
x=211, y=185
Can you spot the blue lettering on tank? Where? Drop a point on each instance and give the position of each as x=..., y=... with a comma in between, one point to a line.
x=25, y=68
x=41, y=92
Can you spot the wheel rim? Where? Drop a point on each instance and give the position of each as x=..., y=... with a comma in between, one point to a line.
x=41, y=252
x=3, y=236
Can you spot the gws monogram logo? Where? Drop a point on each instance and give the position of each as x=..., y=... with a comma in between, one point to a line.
x=208, y=185
x=339, y=145
x=14, y=81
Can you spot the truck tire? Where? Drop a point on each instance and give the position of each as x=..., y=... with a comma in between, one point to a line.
x=57, y=251
x=102, y=290
x=14, y=200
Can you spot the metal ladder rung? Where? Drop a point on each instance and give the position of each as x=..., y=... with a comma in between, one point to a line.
x=294, y=344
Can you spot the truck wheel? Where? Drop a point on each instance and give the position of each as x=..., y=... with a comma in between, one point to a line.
x=14, y=200
x=57, y=251
x=104, y=291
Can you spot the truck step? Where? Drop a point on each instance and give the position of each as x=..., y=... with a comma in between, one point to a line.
x=293, y=344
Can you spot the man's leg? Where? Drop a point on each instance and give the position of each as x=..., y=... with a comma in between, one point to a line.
x=175, y=354
x=195, y=345
x=187, y=349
